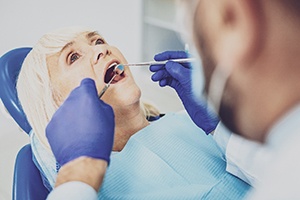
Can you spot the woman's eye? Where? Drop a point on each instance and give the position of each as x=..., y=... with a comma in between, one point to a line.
x=99, y=41
x=74, y=57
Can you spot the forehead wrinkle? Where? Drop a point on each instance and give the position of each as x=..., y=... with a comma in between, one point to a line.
x=88, y=36
x=67, y=46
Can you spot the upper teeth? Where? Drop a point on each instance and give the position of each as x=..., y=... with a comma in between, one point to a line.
x=113, y=64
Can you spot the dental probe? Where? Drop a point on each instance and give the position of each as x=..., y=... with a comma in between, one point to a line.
x=119, y=69
x=181, y=60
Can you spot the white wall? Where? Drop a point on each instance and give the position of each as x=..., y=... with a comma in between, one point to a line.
x=23, y=22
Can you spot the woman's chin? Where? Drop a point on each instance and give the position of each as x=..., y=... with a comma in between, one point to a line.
x=123, y=96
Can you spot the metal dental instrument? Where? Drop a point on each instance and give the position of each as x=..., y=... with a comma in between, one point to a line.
x=119, y=69
x=181, y=60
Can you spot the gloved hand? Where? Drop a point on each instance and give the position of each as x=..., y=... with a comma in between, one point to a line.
x=82, y=126
x=178, y=76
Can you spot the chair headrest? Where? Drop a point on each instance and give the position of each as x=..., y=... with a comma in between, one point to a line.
x=10, y=65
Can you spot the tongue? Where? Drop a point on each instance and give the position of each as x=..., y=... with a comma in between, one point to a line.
x=109, y=74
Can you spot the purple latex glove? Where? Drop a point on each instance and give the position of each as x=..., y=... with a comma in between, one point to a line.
x=178, y=76
x=82, y=126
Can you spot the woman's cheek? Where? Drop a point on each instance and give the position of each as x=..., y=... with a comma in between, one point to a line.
x=122, y=97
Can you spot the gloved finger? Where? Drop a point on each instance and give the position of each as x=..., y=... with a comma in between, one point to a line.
x=179, y=72
x=155, y=68
x=87, y=81
x=87, y=86
x=163, y=82
x=160, y=75
x=170, y=55
x=173, y=83
x=88, y=89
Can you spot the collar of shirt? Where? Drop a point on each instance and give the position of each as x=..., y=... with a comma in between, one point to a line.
x=285, y=129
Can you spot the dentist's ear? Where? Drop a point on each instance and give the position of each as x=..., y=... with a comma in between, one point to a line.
x=241, y=34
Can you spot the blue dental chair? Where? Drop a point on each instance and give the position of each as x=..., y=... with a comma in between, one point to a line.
x=27, y=183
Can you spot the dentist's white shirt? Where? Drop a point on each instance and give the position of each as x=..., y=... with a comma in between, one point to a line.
x=281, y=180
x=273, y=168
x=73, y=190
x=244, y=158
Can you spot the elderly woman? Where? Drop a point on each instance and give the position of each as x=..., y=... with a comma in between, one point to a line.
x=170, y=158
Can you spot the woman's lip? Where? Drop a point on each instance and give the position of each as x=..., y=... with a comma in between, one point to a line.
x=110, y=63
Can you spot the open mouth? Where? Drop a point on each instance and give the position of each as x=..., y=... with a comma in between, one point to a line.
x=110, y=73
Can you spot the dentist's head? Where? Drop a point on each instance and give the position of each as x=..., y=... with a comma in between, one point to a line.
x=250, y=52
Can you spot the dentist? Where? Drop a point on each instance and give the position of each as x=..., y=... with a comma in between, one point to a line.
x=250, y=51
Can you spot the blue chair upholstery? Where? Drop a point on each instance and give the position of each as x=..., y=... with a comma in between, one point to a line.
x=27, y=179
x=10, y=65
x=27, y=183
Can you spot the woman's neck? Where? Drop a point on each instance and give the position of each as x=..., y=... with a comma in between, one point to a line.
x=128, y=121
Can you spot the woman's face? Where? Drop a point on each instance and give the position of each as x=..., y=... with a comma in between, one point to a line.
x=89, y=56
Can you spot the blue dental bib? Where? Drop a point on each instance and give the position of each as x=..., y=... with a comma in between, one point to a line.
x=171, y=159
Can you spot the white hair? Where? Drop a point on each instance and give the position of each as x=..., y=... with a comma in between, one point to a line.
x=34, y=88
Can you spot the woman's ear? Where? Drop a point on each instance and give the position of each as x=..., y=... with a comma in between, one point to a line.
x=240, y=34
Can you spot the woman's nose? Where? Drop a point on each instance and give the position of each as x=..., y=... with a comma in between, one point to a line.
x=100, y=52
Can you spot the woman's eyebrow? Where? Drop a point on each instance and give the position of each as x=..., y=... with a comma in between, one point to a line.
x=88, y=36
x=92, y=34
